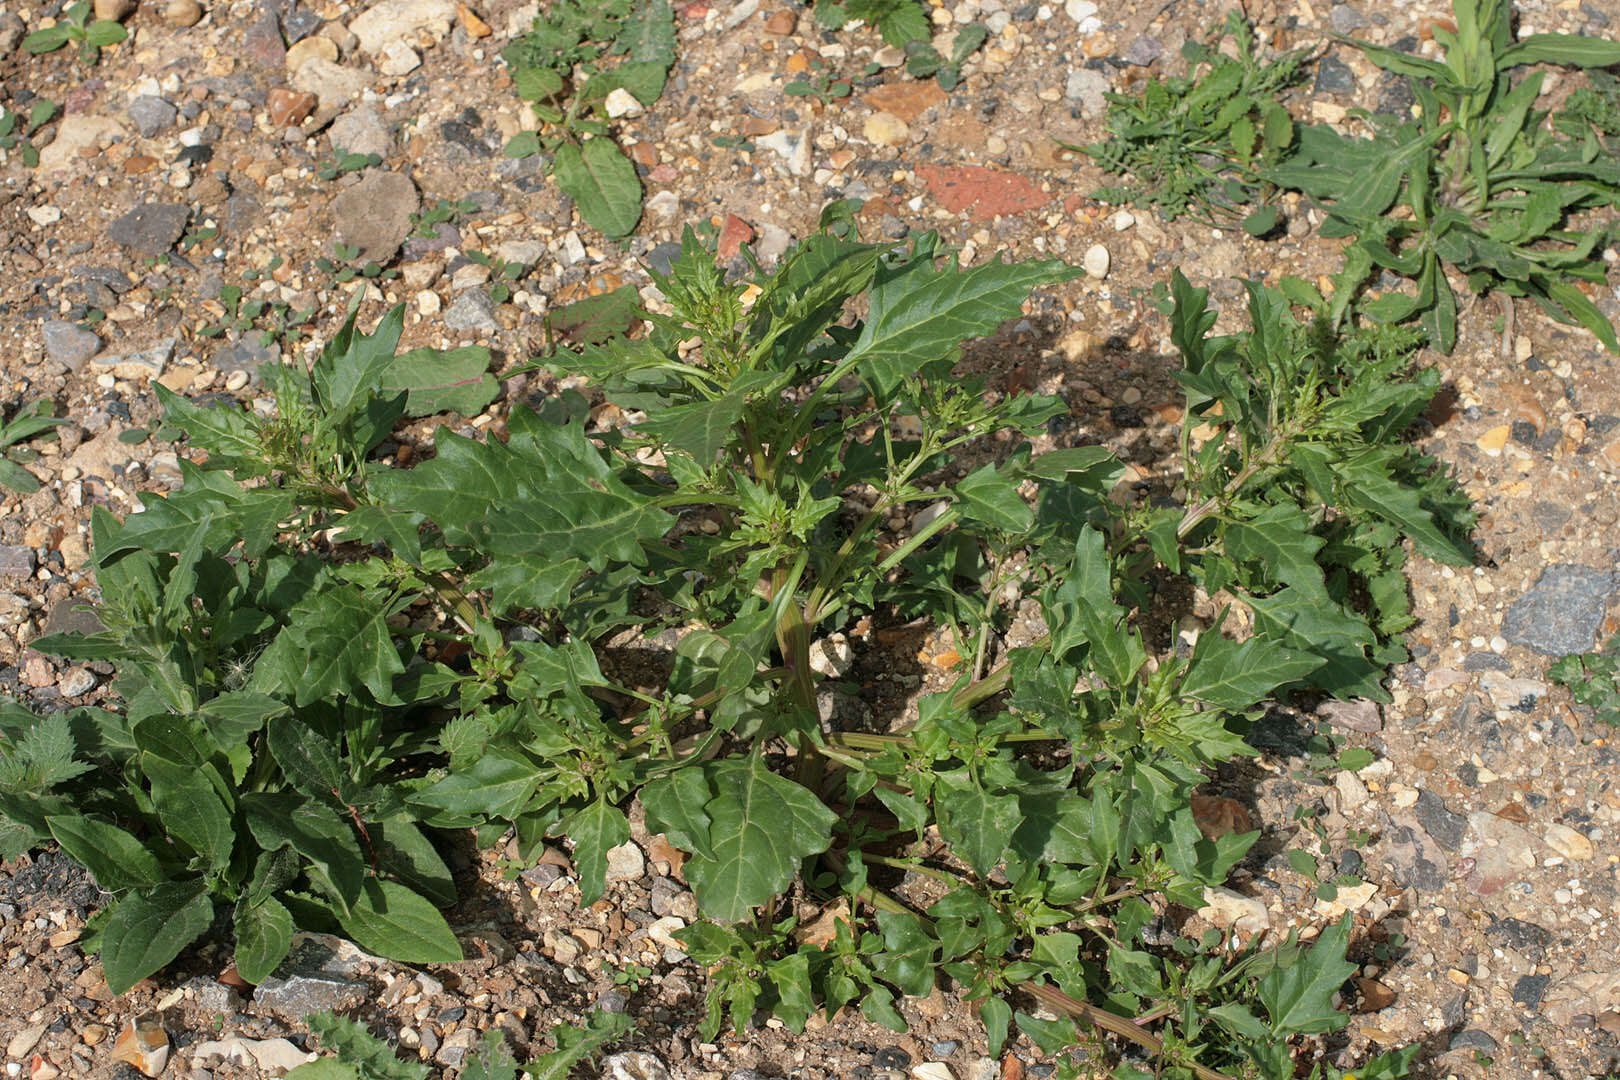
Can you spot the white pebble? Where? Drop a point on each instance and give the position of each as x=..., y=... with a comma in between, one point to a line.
x=1096, y=261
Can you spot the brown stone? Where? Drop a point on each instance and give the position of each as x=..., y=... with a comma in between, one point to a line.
x=733, y=235
x=986, y=193
x=1374, y=995
x=780, y=23
x=1514, y=812
x=1217, y=816
x=475, y=26
x=136, y=164
x=907, y=100
x=645, y=153
x=289, y=107
x=755, y=126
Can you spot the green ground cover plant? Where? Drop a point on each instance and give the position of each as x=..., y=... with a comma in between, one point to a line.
x=75, y=24
x=27, y=422
x=1476, y=181
x=16, y=130
x=561, y=67
x=327, y=664
x=1593, y=680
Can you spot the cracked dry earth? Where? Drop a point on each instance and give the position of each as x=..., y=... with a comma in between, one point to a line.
x=188, y=162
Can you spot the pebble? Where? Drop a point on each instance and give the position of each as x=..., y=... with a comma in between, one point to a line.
x=1088, y=87
x=375, y=214
x=1333, y=76
x=473, y=312
x=151, y=228
x=392, y=20
x=1096, y=262
x=16, y=561
x=1359, y=715
x=1227, y=908
x=21, y=1043
x=1494, y=440
x=885, y=129
x=69, y=344
x=397, y=59
x=140, y=365
x=1122, y=220
x=1569, y=843
x=78, y=681
x=428, y=303
x=634, y=1066
x=311, y=48
x=360, y=130
x=43, y=215
x=932, y=1070
x=831, y=656
x=625, y=862
x=621, y=103
x=1563, y=612
x=152, y=115
x=182, y=13
x=288, y=108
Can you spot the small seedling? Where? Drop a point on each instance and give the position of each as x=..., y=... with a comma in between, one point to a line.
x=27, y=422
x=39, y=114
x=504, y=272
x=425, y=224
x=92, y=36
x=1593, y=680
x=346, y=163
x=820, y=83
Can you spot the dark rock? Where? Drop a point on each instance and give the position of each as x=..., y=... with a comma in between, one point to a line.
x=1472, y=1039
x=245, y=355
x=262, y=43
x=192, y=156
x=1485, y=661
x=1395, y=96
x=69, y=344
x=1519, y=934
x=299, y=23
x=1282, y=733
x=1595, y=16
x=75, y=616
x=944, y=1049
x=1528, y=990
x=1351, y=862
x=242, y=212
x=1446, y=827
x=1563, y=611
x=151, y=115
x=612, y=1001
x=113, y=280
x=892, y=1057
x=661, y=258
x=467, y=132
x=1333, y=76
x=151, y=228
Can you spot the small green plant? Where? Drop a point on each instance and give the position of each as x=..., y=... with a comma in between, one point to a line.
x=631, y=976
x=75, y=25
x=11, y=136
x=1593, y=680
x=425, y=224
x=560, y=67
x=28, y=421
x=504, y=271
x=924, y=61
x=276, y=320
x=340, y=266
x=320, y=671
x=1197, y=144
x=346, y=163
x=357, y=1054
x=820, y=83
x=1481, y=182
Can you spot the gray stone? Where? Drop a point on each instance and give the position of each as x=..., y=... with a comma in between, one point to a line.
x=1088, y=87
x=634, y=1066
x=625, y=862
x=17, y=561
x=71, y=617
x=246, y=355
x=1446, y=827
x=75, y=682
x=455, y=1048
x=1472, y=1039
x=1485, y=661
x=1143, y=51
x=299, y=24
x=1333, y=76
x=152, y=115
x=375, y=214
x=1519, y=934
x=1414, y=858
x=1345, y=19
x=1358, y=715
x=151, y=228
x=316, y=975
x=68, y=344
x=12, y=29
x=141, y=364
x=361, y=130
x=262, y=43
x=473, y=312
x=1563, y=611
x=212, y=996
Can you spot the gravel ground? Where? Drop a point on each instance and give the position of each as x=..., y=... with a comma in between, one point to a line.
x=188, y=163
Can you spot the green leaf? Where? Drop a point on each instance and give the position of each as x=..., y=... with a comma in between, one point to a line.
x=1575, y=50
x=907, y=959
x=17, y=478
x=577, y=1042
x=314, y=831
x=104, y=32
x=528, y=582
x=375, y=1059
x=604, y=184
x=992, y=498
x=491, y=1060
x=189, y=804
x=400, y=530
x=497, y=785
x=674, y=806
x=595, y=320
x=701, y=429
x=1238, y=675
x=1574, y=303
x=1084, y=611
x=343, y=643
x=594, y=830
x=545, y=491
x=1279, y=540
x=761, y=827
x=921, y=313
x=47, y=40
x=116, y=858
x=393, y=921
x=148, y=929
x=977, y=824
x=441, y=380
x=263, y=936
x=1299, y=997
